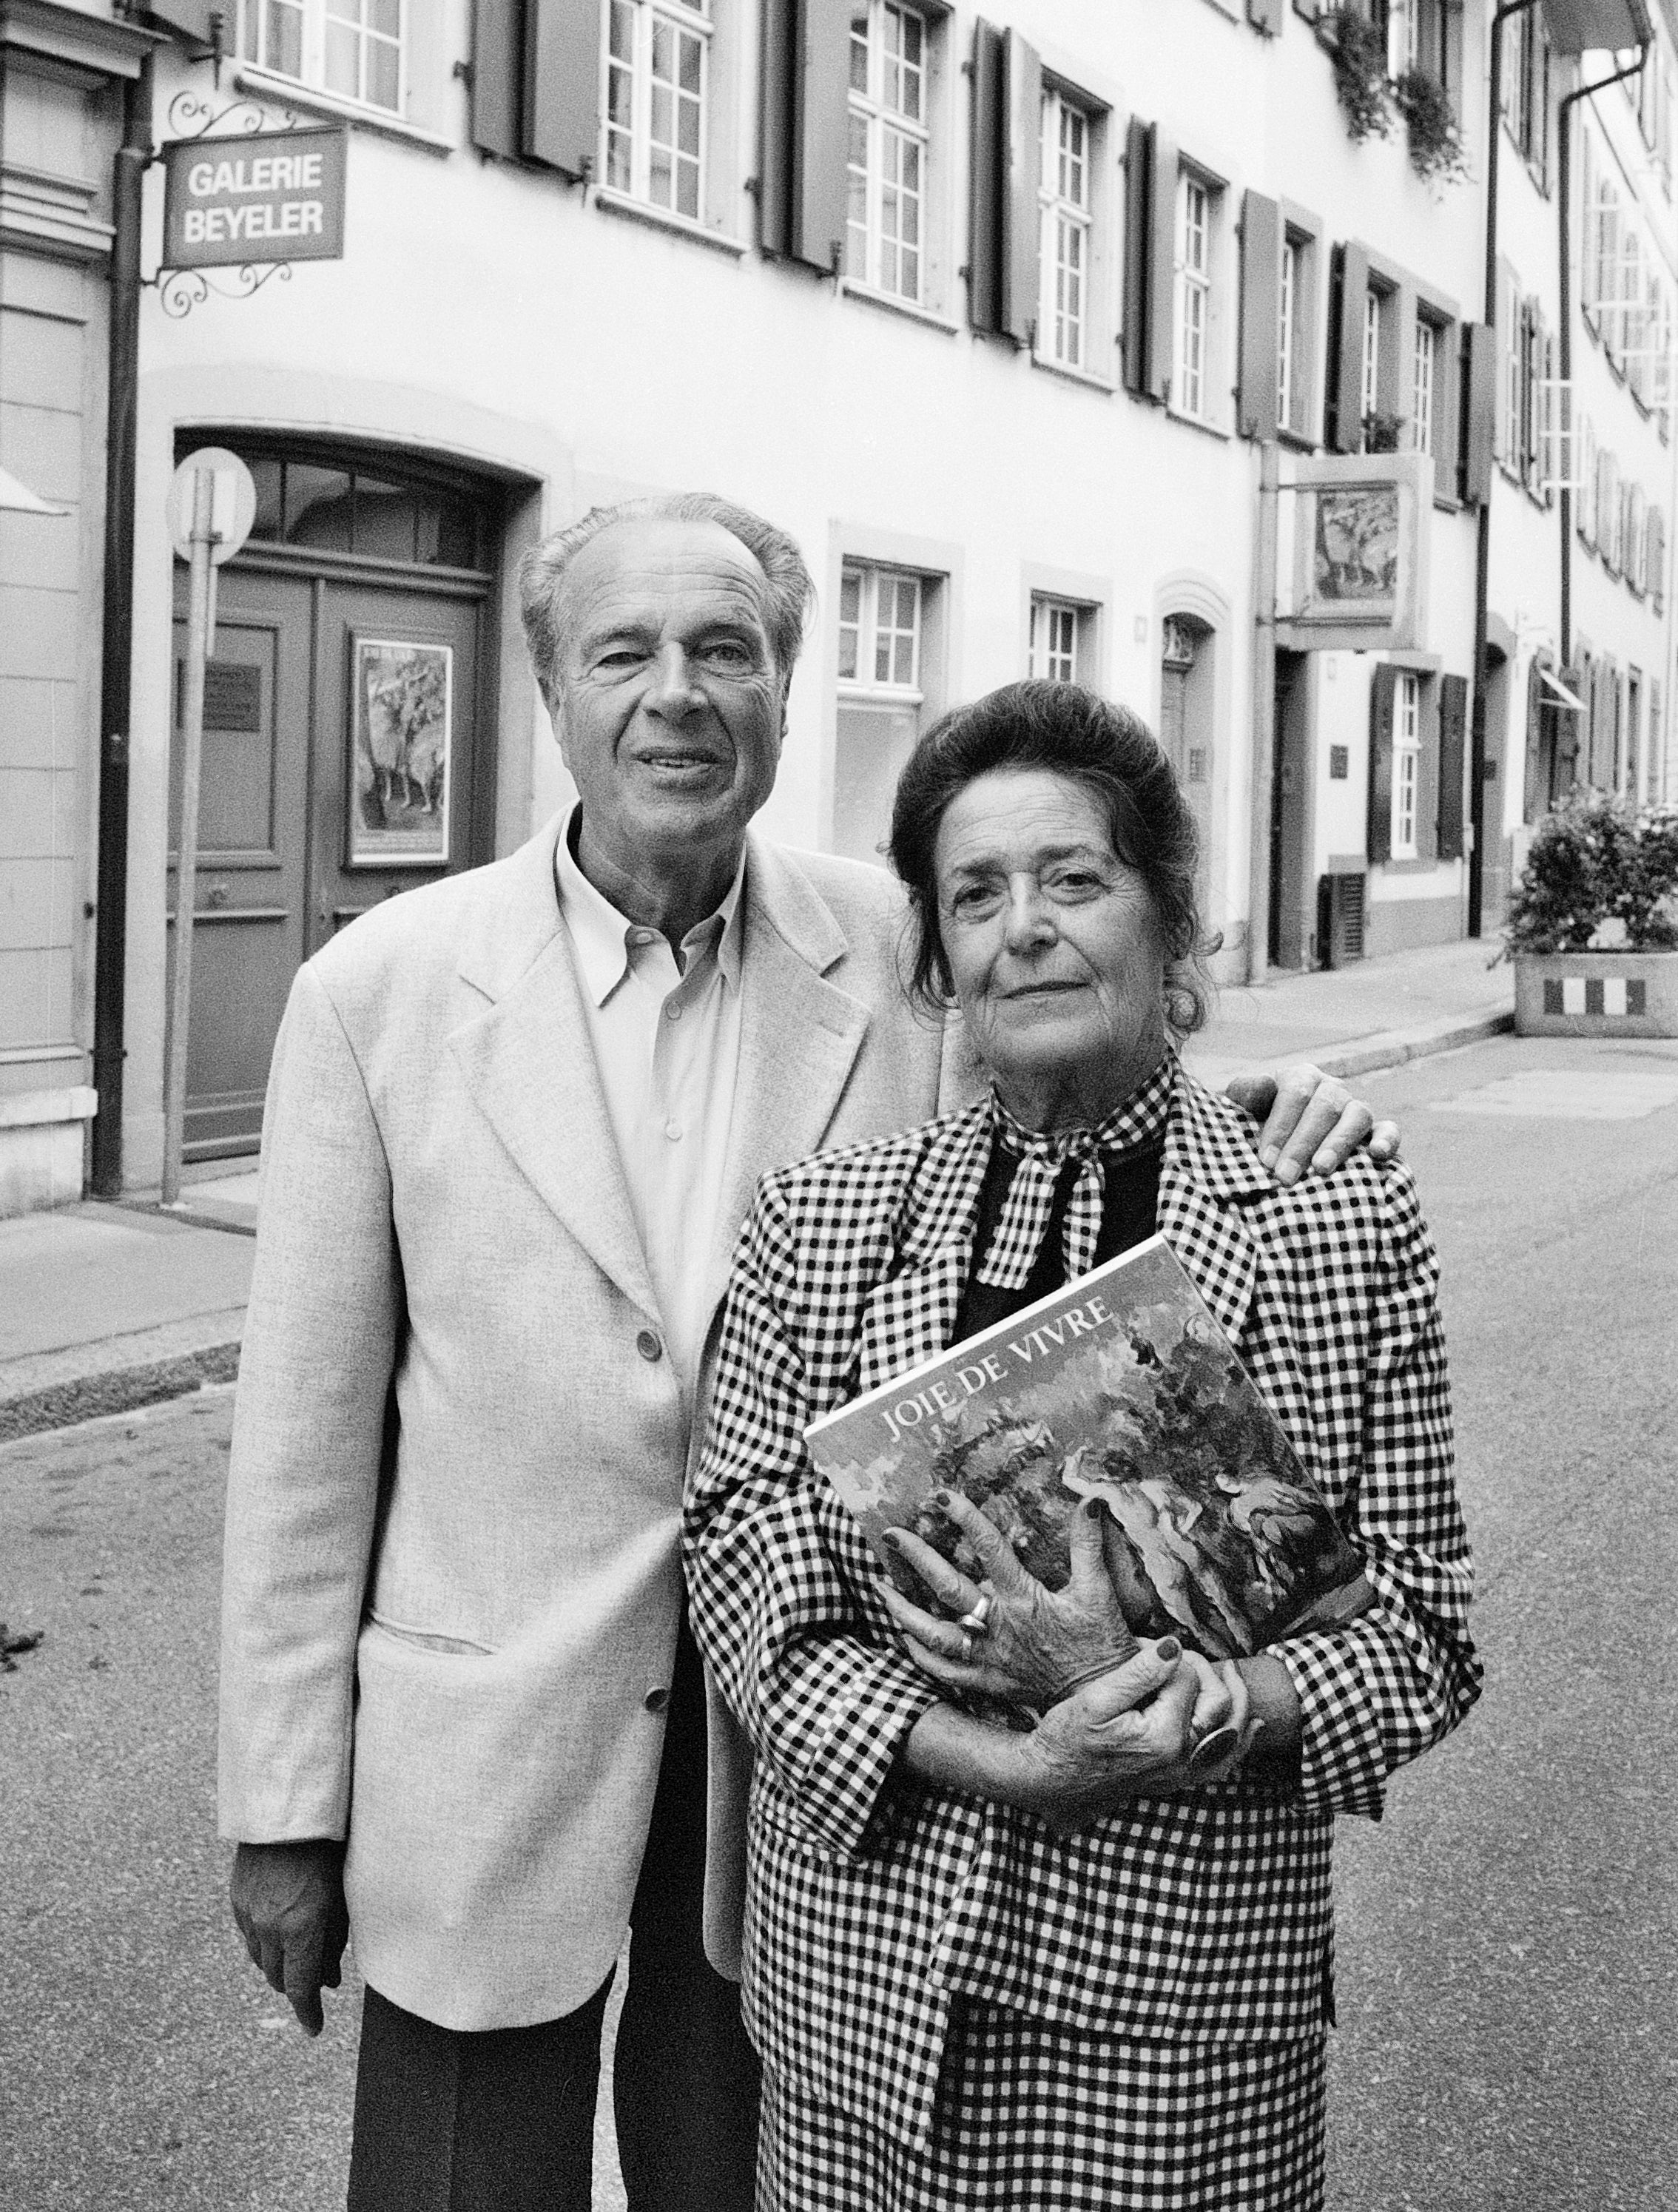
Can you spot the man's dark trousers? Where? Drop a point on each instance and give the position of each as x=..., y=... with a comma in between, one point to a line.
x=503, y=2120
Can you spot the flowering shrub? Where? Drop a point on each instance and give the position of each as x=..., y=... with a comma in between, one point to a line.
x=1435, y=144
x=1599, y=872
x=1359, y=51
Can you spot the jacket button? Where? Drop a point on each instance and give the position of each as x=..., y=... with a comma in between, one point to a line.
x=656, y=1700
x=648, y=1344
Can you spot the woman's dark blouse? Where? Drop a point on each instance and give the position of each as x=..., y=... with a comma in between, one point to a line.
x=1130, y=1201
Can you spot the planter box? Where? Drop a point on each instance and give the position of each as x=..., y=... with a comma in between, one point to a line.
x=1597, y=995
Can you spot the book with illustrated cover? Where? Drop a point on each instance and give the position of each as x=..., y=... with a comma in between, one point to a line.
x=1120, y=1386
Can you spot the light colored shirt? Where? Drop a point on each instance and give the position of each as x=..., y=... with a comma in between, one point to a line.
x=667, y=1044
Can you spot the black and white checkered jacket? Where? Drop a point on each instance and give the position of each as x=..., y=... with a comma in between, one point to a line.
x=1198, y=1918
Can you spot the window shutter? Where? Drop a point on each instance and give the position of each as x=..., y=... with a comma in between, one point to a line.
x=1261, y=310
x=1534, y=796
x=823, y=134
x=1607, y=511
x=1656, y=558
x=1509, y=352
x=1346, y=426
x=1479, y=411
x=1022, y=84
x=987, y=183
x=1137, y=177
x=776, y=86
x=1162, y=264
x=562, y=118
x=1265, y=15
x=1586, y=473
x=804, y=125
x=498, y=37
x=1453, y=729
x=1382, y=682
x=1447, y=407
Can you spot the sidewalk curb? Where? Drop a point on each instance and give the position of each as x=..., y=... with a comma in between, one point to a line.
x=120, y=1389
x=1393, y=1047
x=127, y=1385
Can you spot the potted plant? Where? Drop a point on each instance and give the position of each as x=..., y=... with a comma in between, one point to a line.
x=1437, y=152
x=1358, y=50
x=1593, y=924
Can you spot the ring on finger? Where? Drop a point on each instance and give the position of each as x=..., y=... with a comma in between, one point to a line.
x=966, y=1648
x=977, y=1622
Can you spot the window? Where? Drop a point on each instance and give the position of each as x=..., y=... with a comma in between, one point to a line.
x=1369, y=390
x=1526, y=90
x=1194, y=294
x=654, y=128
x=1602, y=294
x=1587, y=482
x=879, y=629
x=1515, y=358
x=1406, y=764
x=350, y=47
x=1425, y=370
x=1609, y=515
x=887, y=159
x=1054, y=626
x=389, y=517
x=1065, y=256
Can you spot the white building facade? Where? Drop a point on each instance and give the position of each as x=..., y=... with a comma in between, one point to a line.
x=994, y=312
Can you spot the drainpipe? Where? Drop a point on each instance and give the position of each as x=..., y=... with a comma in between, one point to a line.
x=110, y=944
x=1483, y=542
x=1565, y=350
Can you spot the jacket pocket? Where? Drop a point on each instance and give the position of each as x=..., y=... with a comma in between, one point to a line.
x=422, y=1639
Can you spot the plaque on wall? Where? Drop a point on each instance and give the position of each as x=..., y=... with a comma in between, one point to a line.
x=401, y=724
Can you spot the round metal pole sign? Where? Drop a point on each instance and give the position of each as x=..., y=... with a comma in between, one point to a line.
x=233, y=506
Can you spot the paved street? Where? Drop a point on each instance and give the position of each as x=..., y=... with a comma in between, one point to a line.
x=1506, y=1986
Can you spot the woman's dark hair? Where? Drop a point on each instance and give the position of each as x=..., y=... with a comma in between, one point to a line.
x=1067, y=730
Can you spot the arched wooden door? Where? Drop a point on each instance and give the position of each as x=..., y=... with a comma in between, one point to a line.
x=347, y=751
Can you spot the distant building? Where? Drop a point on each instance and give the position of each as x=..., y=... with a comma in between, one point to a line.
x=996, y=314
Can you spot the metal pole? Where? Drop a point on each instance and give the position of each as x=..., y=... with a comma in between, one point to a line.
x=111, y=908
x=186, y=850
x=1260, y=950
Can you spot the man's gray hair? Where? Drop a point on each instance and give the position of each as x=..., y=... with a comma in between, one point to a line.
x=787, y=597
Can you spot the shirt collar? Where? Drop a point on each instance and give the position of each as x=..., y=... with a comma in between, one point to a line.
x=603, y=937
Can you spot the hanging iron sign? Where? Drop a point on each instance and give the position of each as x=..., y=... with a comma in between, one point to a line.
x=273, y=195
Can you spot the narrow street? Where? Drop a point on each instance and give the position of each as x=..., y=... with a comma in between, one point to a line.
x=1506, y=1986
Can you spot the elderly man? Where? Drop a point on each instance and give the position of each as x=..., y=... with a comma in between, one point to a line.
x=513, y=1124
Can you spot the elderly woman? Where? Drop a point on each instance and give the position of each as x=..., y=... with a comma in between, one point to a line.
x=1086, y=1960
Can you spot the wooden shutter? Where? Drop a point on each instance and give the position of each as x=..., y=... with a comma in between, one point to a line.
x=1427, y=769
x=988, y=182
x=1447, y=410
x=823, y=134
x=804, y=121
x=1382, y=683
x=1479, y=411
x=562, y=102
x=1265, y=15
x=1453, y=732
x=1658, y=557
x=1137, y=177
x=1346, y=424
x=1535, y=794
x=1022, y=94
x=1607, y=511
x=1262, y=237
x=1162, y=264
x=498, y=41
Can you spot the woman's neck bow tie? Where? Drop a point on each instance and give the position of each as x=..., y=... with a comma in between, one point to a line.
x=1042, y=1155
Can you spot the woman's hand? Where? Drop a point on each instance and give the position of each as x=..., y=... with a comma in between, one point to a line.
x=1104, y=1746
x=1037, y=1644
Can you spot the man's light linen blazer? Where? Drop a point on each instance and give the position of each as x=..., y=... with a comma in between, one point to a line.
x=452, y=1580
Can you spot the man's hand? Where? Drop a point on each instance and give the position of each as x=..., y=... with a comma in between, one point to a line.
x=288, y=1900
x=1312, y=1123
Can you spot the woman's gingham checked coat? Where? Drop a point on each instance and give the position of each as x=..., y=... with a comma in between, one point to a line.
x=1198, y=1919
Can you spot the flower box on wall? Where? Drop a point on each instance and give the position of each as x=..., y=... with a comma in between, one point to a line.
x=1597, y=995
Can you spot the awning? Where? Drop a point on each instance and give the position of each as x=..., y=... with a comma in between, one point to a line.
x=1582, y=27
x=1559, y=691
